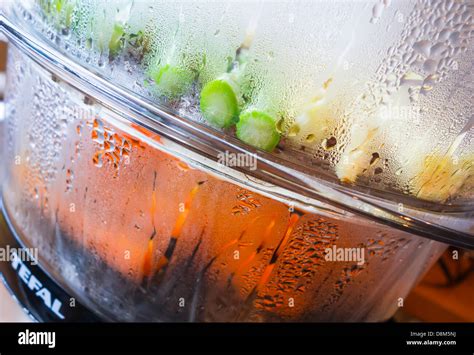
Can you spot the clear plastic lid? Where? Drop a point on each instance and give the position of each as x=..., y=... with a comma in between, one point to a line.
x=371, y=99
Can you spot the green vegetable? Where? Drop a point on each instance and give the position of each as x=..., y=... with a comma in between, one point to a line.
x=59, y=12
x=116, y=40
x=139, y=40
x=172, y=81
x=258, y=129
x=222, y=98
x=219, y=103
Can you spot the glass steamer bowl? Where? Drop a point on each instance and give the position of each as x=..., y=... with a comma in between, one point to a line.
x=143, y=210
